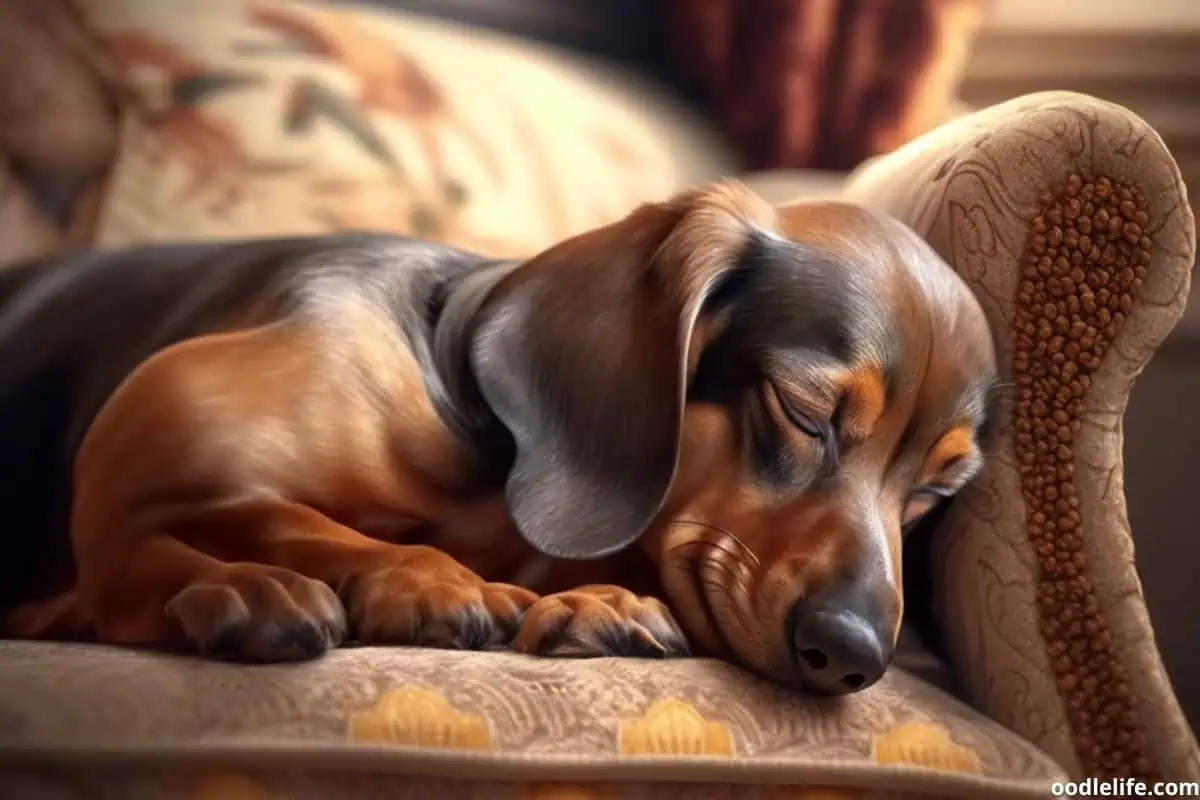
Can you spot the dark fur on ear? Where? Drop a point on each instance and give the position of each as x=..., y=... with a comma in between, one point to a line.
x=584, y=354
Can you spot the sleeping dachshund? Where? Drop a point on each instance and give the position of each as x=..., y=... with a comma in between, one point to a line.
x=702, y=429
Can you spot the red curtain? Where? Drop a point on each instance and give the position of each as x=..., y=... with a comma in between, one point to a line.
x=823, y=84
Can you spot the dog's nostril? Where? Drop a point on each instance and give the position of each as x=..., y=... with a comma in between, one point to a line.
x=854, y=681
x=815, y=658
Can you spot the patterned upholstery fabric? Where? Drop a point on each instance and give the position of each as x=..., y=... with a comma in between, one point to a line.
x=100, y=722
x=255, y=117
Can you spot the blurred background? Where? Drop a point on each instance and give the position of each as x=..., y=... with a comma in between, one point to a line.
x=504, y=125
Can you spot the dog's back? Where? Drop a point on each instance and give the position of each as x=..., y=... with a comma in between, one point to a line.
x=73, y=327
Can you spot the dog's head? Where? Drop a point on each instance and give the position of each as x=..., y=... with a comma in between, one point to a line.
x=765, y=398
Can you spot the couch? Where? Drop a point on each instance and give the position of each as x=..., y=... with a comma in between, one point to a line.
x=1030, y=658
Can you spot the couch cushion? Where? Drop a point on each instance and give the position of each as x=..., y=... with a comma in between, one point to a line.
x=261, y=117
x=99, y=720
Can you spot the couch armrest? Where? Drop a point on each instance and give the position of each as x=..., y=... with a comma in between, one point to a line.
x=1070, y=220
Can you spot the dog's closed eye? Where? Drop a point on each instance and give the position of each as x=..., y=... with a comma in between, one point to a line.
x=802, y=418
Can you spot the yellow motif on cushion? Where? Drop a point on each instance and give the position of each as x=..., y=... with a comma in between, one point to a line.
x=419, y=717
x=227, y=786
x=674, y=728
x=920, y=745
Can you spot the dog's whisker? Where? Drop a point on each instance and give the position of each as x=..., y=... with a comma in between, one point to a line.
x=719, y=543
x=683, y=580
x=726, y=600
x=722, y=586
x=726, y=584
x=715, y=576
x=717, y=529
x=701, y=549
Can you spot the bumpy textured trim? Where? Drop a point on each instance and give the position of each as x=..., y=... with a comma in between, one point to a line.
x=1083, y=265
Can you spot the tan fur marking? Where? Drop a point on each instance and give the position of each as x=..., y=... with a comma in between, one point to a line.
x=958, y=443
x=865, y=401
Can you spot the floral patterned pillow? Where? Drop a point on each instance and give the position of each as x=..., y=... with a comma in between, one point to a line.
x=266, y=117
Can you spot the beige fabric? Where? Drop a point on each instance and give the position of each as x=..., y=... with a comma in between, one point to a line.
x=54, y=114
x=57, y=128
x=24, y=230
x=485, y=717
x=264, y=117
x=783, y=186
x=1001, y=194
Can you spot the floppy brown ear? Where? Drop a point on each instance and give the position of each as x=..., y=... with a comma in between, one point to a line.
x=584, y=354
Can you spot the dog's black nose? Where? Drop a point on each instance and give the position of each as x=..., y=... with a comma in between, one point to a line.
x=838, y=649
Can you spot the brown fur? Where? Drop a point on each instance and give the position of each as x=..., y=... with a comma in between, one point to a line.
x=293, y=475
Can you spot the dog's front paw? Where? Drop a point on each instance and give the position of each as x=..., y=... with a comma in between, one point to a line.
x=599, y=621
x=400, y=605
x=253, y=612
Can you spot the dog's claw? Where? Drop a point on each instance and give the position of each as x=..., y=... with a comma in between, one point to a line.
x=600, y=622
x=394, y=606
x=255, y=613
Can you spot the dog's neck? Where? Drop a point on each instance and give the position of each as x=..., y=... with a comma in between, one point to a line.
x=462, y=405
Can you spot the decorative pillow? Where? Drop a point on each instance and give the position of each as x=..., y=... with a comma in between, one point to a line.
x=361, y=723
x=265, y=117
